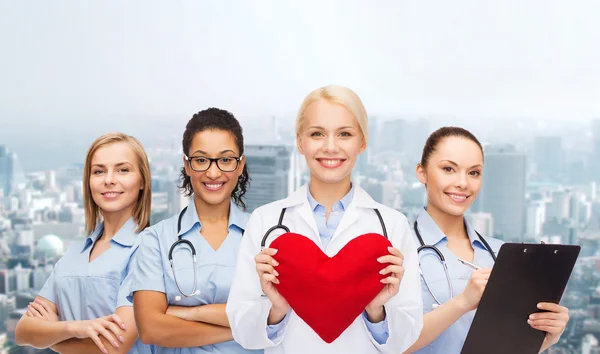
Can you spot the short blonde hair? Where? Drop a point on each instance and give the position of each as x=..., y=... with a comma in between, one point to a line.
x=340, y=95
x=141, y=212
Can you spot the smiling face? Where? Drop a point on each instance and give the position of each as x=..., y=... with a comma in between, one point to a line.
x=331, y=141
x=214, y=186
x=115, y=178
x=452, y=175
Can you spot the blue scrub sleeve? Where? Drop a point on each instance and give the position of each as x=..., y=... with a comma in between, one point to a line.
x=123, y=298
x=47, y=291
x=379, y=330
x=274, y=331
x=146, y=267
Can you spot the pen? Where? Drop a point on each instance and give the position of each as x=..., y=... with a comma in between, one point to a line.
x=469, y=264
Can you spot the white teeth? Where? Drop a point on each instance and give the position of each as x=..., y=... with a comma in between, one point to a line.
x=111, y=194
x=214, y=186
x=331, y=162
x=457, y=197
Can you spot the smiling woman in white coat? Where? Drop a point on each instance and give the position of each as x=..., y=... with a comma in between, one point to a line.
x=331, y=132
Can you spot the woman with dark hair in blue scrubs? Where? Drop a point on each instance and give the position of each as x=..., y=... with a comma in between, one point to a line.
x=179, y=297
x=451, y=169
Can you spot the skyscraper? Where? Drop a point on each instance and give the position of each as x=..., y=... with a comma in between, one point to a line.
x=503, y=191
x=272, y=170
x=548, y=158
x=559, y=205
x=416, y=134
x=393, y=134
x=176, y=199
x=6, y=170
x=594, y=158
x=11, y=175
x=535, y=216
x=482, y=222
x=374, y=144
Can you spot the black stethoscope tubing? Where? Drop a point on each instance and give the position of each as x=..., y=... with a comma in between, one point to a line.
x=280, y=225
x=443, y=260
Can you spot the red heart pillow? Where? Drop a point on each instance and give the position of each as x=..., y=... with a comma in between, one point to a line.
x=329, y=293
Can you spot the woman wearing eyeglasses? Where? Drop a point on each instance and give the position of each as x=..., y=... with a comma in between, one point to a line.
x=185, y=265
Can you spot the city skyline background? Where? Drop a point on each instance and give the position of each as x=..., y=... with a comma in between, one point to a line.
x=522, y=76
x=74, y=70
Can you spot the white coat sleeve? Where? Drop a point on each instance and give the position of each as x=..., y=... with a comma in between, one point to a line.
x=246, y=309
x=404, y=311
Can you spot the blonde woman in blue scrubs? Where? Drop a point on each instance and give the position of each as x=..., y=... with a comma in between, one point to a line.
x=180, y=306
x=451, y=169
x=83, y=306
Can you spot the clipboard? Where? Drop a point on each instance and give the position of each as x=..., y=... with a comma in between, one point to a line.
x=523, y=276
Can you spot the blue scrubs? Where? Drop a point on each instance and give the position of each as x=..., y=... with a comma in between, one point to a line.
x=84, y=290
x=451, y=340
x=215, y=269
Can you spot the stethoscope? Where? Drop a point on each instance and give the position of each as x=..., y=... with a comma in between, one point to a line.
x=193, y=251
x=281, y=226
x=443, y=261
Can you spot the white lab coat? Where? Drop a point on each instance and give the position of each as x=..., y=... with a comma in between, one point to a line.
x=248, y=311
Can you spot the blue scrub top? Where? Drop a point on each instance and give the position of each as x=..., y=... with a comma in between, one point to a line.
x=84, y=290
x=215, y=269
x=451, y=340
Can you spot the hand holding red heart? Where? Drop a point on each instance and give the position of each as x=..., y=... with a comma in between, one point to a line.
x=329, y=293
x=265, y=267
x=395, y=269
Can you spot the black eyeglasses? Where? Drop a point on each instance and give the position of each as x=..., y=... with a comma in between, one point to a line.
x=225, y=164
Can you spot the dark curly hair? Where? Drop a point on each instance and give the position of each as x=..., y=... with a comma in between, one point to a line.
x=215, y=119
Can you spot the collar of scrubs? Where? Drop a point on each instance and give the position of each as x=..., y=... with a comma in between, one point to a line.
x=360, y=198
x=340, y=205
x=125, y=236
x=432, y=234
x=237, y=218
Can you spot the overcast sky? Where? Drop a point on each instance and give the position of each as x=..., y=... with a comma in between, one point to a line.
x=119, y=64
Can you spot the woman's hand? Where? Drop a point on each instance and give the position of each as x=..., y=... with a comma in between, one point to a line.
x=553, y=322
x=471, y=296
x=41, y=309
x=395, y=269
x=265, y=267
x=109, y=327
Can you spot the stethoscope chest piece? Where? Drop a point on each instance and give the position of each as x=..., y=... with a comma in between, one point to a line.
x=196, y=293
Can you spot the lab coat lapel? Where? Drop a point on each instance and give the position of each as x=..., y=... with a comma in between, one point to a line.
x=348, y=219
x=298, y=202
x=360, y=201
x=307, y=215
